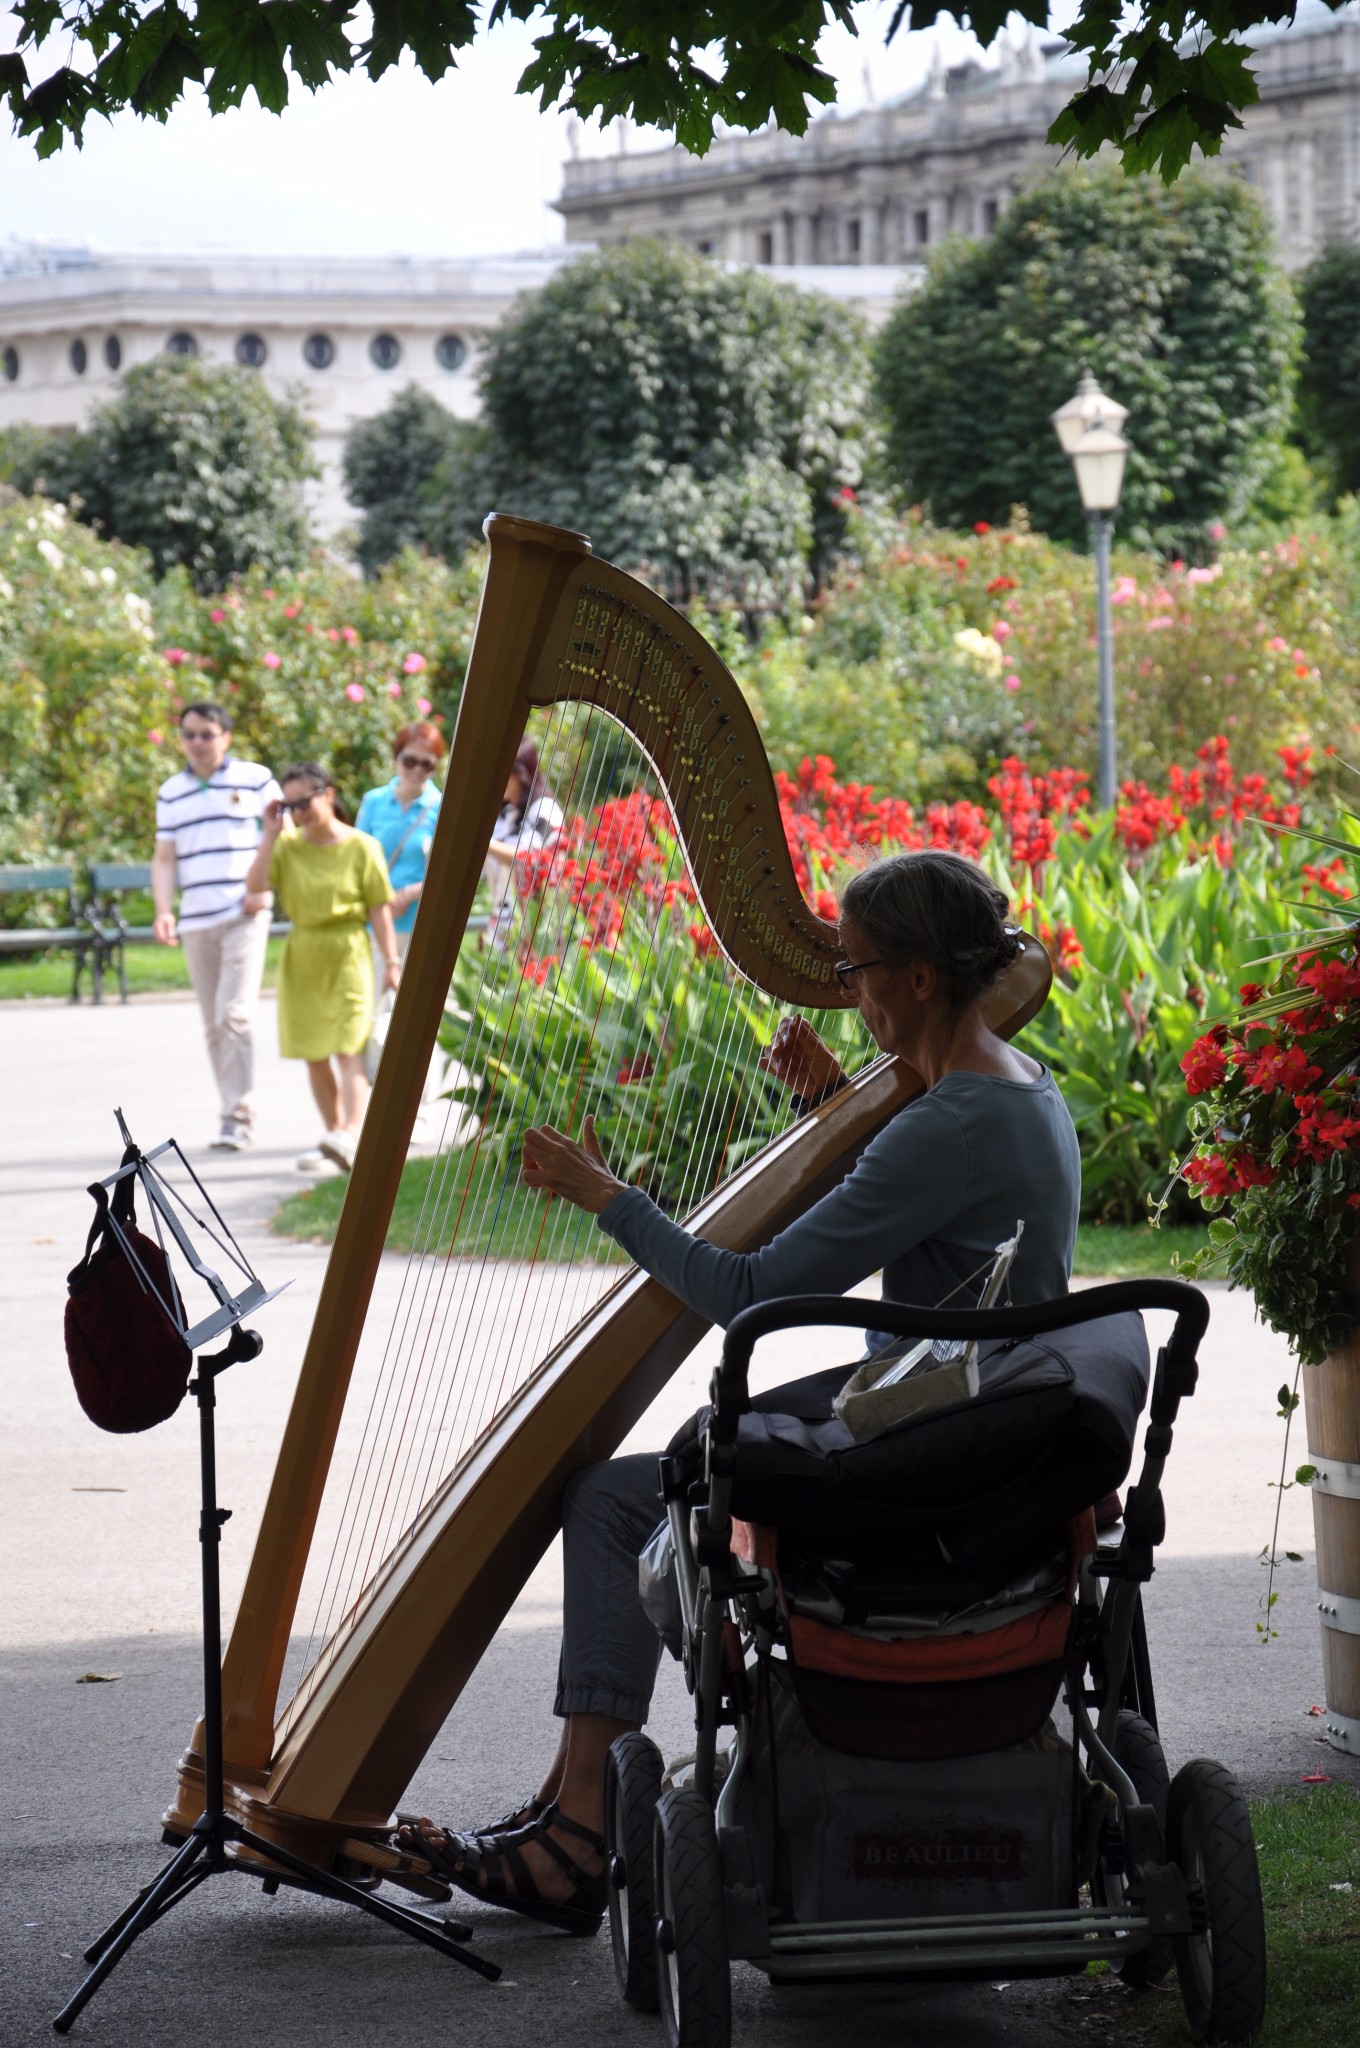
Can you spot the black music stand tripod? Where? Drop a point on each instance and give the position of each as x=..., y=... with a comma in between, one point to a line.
x=204, y=1851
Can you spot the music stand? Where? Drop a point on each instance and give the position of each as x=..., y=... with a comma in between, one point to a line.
x=204, y=1852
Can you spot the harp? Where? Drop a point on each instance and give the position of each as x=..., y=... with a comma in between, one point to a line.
x=507, y=1362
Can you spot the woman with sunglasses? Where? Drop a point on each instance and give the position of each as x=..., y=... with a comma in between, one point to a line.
x=331, y=882
x=401, y=815
x=988, y=1144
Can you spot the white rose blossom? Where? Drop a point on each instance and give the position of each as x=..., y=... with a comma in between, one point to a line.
x=979, y=647
x=51, y=554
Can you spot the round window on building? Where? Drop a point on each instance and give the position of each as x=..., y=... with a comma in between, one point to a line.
x=384, y=351
x=251, y=350
x=450, y=352
x=319, y=351
x=182, y=344
x=113, y=351
x=9, y=363
x=80, y=357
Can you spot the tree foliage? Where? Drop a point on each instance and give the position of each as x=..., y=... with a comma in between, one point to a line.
x=1169, y=295
x=194, y=462
x=1329, y=375
x=1166, y=77
x=390, y=462
x=700, y=422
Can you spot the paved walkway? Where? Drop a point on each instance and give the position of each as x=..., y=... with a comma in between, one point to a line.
x=101, y=1574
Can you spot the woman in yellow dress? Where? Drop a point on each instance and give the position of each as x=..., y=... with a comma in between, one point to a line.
x=331, y=882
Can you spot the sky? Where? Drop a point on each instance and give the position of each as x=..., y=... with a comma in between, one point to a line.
x=464, y=167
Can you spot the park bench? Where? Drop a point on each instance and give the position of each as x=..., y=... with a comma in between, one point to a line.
x=34, y=882
x=109, y=929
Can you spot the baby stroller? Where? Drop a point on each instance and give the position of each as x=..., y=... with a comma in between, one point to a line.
x=886, y=1626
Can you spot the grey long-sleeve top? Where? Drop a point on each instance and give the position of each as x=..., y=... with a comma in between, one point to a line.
x=928, y=1201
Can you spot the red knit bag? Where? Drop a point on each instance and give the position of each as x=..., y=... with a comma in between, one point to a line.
x=129, y=1363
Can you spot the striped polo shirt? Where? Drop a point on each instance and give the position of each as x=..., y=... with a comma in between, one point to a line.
x=214, y=828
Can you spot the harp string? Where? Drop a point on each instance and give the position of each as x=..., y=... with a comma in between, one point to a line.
x=452, y=1307
x=472, y=1391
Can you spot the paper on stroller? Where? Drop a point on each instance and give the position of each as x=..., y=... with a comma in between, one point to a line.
x=934, y=1373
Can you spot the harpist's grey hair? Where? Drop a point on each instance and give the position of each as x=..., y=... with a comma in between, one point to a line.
x=937, y=907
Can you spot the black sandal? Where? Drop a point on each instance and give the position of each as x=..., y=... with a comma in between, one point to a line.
x=528, y=1810
x=491, y=1868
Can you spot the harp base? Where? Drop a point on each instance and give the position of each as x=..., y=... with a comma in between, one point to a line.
x=217, y=1842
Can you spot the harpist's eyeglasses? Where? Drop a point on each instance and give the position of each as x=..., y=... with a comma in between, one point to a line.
x=843, y=969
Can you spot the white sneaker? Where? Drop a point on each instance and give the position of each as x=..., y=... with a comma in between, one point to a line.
x=233, y=1136
x=312, y=1160
x=339, y=1148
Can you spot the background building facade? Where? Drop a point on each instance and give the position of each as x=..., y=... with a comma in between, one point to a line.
x=340, y=335
x=884, y=184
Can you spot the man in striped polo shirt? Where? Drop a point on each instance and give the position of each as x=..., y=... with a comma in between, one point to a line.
x=208, y=821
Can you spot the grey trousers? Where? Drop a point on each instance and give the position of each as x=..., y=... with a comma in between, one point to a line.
x=610, y=1650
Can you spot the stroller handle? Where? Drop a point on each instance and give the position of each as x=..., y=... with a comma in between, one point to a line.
x=904, y=1319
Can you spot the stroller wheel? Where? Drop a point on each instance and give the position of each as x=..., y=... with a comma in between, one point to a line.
x=1222, y=1967
x=693, y=1972
x=1137, y=1746
x=632, y=1786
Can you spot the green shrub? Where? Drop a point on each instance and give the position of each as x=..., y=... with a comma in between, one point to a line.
x=320, y=665
x=700, y=420
x=195, y=462
x=82, y=690
x=1171, y=294
x=939, y=652
x=96, y=660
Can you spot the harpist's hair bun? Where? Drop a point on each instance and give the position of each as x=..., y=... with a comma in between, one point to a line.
x=938, y=907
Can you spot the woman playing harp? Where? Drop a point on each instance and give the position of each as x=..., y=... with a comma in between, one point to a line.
x=989, y=1141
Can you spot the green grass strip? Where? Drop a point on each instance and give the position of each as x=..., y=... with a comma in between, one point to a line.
x=1104, y=1251
x=506, y=1218
x=151, y=970
x=1308, y=1843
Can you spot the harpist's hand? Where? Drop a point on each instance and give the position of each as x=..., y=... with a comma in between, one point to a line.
x=797, y=1057
x=579, y=1173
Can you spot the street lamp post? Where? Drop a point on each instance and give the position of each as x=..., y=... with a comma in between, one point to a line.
x=1088, y=432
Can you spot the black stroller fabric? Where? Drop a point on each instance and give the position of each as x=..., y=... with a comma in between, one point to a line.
x=993, y=1480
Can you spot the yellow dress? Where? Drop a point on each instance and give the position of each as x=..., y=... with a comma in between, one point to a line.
x=326, y=971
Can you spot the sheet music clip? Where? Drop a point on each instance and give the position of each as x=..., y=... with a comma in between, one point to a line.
x=237, y=1297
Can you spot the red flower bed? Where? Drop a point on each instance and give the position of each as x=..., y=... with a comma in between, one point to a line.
x=626, y=848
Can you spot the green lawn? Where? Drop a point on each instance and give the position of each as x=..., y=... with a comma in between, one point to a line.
x=493, y=1206
x=1133, y=1251
x=515, y=1217
x=151, y=970
x=1308, y=1842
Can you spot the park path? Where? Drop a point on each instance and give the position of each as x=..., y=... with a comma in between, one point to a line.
x=101, y=1574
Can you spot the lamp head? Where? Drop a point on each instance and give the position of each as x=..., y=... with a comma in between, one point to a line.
x=1098, y=457
x=1088, y=407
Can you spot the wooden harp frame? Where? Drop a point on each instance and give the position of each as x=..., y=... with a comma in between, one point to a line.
x=552, y=624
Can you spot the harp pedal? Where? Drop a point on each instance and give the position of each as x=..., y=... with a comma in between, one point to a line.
x=356, y=1858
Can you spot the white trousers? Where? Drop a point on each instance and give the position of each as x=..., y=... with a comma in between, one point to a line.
x=225, y=965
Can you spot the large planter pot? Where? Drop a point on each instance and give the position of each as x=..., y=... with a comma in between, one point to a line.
x=1331, y=1394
